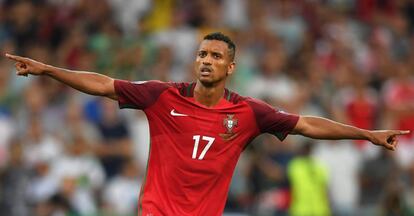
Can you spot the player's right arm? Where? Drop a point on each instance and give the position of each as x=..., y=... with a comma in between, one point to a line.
x=87, y=82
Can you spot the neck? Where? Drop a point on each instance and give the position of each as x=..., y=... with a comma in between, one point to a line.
x=208, y=95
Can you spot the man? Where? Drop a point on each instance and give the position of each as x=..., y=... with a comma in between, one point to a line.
x=198, y=130
x=309, y=183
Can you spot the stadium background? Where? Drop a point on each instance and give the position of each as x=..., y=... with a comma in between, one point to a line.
x=64, y=152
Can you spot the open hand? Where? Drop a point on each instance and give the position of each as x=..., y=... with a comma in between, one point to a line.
x=25, y=66
x=387, y=138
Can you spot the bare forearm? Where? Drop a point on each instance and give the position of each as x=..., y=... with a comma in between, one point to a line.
x=322, y=128
x=87, y=82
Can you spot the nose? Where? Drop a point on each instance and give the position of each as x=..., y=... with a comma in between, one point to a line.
x=207, y=60
x=206, y=63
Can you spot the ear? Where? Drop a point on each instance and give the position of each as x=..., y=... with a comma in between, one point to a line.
x=231, y=68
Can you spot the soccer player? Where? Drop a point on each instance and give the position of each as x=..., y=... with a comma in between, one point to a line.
x=198, y=130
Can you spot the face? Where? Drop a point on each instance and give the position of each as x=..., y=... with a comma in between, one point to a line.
x=213, y=63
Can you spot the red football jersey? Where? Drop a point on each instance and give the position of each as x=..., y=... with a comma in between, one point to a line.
x=194, y=148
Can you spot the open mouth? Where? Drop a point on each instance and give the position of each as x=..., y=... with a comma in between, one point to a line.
x=206, y=70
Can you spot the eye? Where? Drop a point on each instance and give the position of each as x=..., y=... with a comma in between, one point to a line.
x=216, y=55
x=202, y=54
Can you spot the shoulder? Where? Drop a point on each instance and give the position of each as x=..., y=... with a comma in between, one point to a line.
x=184, y=88
x=233, y=97
x=139, y=94
x=149, y=85
x=258, y=105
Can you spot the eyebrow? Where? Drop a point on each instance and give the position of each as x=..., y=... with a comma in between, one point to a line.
x=214, y=52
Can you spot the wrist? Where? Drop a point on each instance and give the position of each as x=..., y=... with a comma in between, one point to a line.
x=367, y=135
x=47, y=70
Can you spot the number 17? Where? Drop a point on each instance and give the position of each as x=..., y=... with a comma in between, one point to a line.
x=196, y=139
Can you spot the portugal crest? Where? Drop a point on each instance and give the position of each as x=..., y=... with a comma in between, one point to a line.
x=230, y=122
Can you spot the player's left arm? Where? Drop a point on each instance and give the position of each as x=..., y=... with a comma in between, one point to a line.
x=322, y=128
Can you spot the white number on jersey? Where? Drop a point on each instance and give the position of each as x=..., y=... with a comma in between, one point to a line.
x=196, y=139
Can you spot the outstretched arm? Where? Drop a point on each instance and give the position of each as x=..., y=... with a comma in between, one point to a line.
x=322, y=128
x=87, y=82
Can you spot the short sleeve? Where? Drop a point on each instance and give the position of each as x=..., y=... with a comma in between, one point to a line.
x=271, y=120
x=138, y=95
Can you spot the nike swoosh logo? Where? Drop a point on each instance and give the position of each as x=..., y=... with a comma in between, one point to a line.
x=173, y=113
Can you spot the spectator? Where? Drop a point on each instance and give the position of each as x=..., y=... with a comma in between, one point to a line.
x=122, y=193
x=398, y=94
x=376, y=173
x=116, y=144
x=14, y=183
x=309, y=182
x=343, y=187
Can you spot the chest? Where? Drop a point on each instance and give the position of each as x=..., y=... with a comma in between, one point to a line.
x=180, y=115
x=183, y=129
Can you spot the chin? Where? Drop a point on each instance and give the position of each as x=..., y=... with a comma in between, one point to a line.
x=206, y=82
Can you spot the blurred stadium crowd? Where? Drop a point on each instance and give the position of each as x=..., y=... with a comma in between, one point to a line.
x=66, y=153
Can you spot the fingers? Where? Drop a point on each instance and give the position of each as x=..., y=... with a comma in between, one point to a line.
x=20, y=65
x=391, y=146
x=402, y=132
x=15, y=58
x=392, y=141
x=23, y=73
x=395, y=143
x=21, y=68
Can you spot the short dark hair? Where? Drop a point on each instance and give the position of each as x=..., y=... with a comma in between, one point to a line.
x=222, y=37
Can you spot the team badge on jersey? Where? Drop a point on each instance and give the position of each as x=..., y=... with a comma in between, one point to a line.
x=229, y=123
